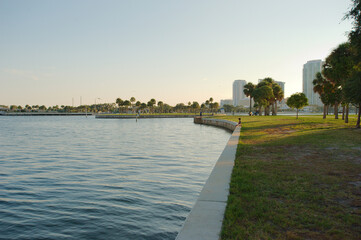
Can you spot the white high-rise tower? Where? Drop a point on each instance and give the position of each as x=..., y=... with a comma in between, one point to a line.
x=309, y=74
x=238, y=93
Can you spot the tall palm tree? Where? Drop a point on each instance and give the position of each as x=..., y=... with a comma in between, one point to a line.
x=120, y=102
x=278, y=94
x=127, y=104
x=338, y=68
x=319, y=85
x=248, y=91
x=160, y=105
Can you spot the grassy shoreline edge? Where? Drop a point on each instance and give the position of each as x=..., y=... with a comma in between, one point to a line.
x=295, y=179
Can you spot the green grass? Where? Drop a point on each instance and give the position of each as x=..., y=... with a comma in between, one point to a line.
x=295, y=179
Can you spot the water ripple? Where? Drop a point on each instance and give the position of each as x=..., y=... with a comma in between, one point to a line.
x=85, y=178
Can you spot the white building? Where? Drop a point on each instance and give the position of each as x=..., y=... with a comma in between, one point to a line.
x=226, y=101
x=309, y=74
x=238, y=94
x=282, y=85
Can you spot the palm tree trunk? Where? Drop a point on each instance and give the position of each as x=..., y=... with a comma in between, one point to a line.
x=297, y=114
x=336, y=110
x=250, y=104
x=273, y=109
x=276, y=108
x=324, y=111
x=347, y=110
x=343, y=112
x=358, y=116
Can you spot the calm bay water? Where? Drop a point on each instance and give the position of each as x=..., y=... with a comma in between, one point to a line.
x=87, y=178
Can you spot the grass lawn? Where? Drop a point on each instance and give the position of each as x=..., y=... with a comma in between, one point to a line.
x=295, y=179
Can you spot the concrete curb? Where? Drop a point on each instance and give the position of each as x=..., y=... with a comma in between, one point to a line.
x=205, y=219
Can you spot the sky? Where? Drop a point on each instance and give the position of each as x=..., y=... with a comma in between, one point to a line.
x=58, y=52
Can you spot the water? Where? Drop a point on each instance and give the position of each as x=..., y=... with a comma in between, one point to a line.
x=87, y=178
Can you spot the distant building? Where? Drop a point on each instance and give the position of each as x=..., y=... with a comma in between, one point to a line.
x=309, y=74
x=238, y=94
x=282, y=85
x=226, y=101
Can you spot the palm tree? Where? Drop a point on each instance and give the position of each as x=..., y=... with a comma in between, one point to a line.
x=278, y=94
x=120, y=102
x=216, y=106
x=211, y=103
x=263, y=95
x=248, y=91
x=324, y=89
x=127, y=104
x=160, y=105
x=132, y=100
x=195, y=106
x=338, y=68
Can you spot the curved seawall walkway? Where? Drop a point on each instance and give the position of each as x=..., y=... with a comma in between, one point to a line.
x=205, y=219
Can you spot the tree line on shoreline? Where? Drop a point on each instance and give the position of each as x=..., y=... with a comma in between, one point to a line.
x=125, y=106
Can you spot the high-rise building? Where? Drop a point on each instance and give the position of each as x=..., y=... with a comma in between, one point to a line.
x=282, y=85
x=238, y=93
x=309, y=74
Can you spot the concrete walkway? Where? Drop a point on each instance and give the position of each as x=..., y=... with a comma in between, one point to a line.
x=206, y=216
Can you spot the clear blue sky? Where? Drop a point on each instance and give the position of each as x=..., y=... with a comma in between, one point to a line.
x=174, y=51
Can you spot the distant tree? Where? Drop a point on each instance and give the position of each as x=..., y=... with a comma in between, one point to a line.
x=150, y=105
x=120, y=102
x=195, y=106
x=127, y=104
x=248, y=91
x=132, y=100
x=42, y=108
x=143, y=106
x=228, y=108
x=298, y=101
x=263, y=95
x=160, y=106
x=28, y=107
x=216, y=106
x=207, y=103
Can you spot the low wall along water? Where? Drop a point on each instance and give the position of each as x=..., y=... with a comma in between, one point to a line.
x=205, y=219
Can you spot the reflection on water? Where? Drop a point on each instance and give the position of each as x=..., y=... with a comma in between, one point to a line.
x=86, y=178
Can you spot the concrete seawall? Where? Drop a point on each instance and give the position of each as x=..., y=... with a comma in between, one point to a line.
x=205, y=219
x=216, y=122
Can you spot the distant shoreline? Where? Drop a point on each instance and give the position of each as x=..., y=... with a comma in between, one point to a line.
x=132, y=116
x=44, y=114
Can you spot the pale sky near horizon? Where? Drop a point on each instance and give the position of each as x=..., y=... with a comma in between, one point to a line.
x=52, y=51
